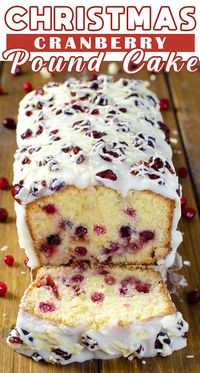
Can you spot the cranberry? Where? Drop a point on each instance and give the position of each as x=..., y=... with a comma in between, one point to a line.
x=95, y=112
x=49, y=209
x=47, y=250
x=97, y=297
x=80, y=159
x=183, y=201
x=3, y=215
x=107, y=174
x=49, y=281
x=18, y=71
x=164, y=104
x=98, y=134
x=80, y=251
x=27, y=87
x=9, y=123
x=130, y=211
x=54, y=239
x=188, y=213
x=125, y=231
x=193, y=297
x=77, y=278
x=26, y=160
x=26, y=259
x=165, y=339
x=166, y=131
x=62, y=353
x=142, y=287
x=39, y=91
x=3, y=183
x=146, y=236
x=47, y=307
x=94, y=85
x=99, y=229
x=3, y=288
x=110, y=280
x=15, y=340
x=9, y=260
x=182, y=172
x=15, y=190
x=26, y=134
x=81, y=231
x=80, y=266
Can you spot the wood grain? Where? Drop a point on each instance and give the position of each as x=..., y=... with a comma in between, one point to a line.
x=17, y=277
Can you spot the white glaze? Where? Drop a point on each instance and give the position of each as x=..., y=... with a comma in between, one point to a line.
x=67, y=172
x=112, y=341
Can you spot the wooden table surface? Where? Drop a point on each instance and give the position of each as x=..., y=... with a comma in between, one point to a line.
x=183, y=118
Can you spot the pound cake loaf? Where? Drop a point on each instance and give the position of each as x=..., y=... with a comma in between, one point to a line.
x=77, y=313
x=93, y=175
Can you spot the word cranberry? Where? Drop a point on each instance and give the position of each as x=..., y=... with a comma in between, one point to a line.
x=27, y=87
x=9, y=260
x=188, y=213
x=183, y=201
x=3, y=215
x=193, y=297
x=182, y=172
x=9, y=123
x=99, y=229
x=26, y=259
x=80, y=251
x=3, y=183
x=49, y=209
x=164, y=104
x=3, y=288
x=97, y=297
x=47, y=307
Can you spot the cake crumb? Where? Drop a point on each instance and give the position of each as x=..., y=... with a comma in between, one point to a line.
x=4, y=314
x=130, y=358
x=23, y=273
x=143, y=362
x=177, y=151
x=45, y=74
x=173, y=140
x=175, y=132
x=190, y=356
x=153, y=77
x=186, y=263
x=113, y=68
x=4, y=248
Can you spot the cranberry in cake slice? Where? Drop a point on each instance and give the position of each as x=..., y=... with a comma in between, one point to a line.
x=73, y=314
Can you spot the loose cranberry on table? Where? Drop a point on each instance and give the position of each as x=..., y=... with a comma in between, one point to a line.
x=27, y=86
x=188, y=213
x=3, y=288
x=9, y=123
x=193, y=297
x=183, y=201
x=9, y=260
x=164, y=104
x=3, y=183
x=182, y=172
x=3, y=215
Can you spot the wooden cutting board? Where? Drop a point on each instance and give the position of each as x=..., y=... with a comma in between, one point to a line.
x=183, y=119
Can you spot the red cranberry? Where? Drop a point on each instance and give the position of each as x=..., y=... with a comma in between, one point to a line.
x=3, y=215
x=188, y=213
x=9, y=260
x=26, y=259
x=9, y=123
x=164, y=104
x=130, y=211
x=77, y=278
x=182, y=172
x=80, y=266
x=65, y=355
x=26, y=134
x=27, y=87
x=107, y=174
x=49, y=281
x=183, y=201
x=125, y=231
x=49, y=209
x=54, y=239
x=47, y=250
x=3, y=183
x=95, y=112
x=47, y=307
x=97, y=297
x=146, y=236
x=99, y=229
x=80, y=251
x=193, y=297
x=3, y=288
x=81, y=231
x=39, y=91
x=110, y=280
x=26, y=160
x=142, y=287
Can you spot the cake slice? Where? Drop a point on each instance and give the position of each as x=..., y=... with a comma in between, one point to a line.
x=77, y=313
x=93, y=175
